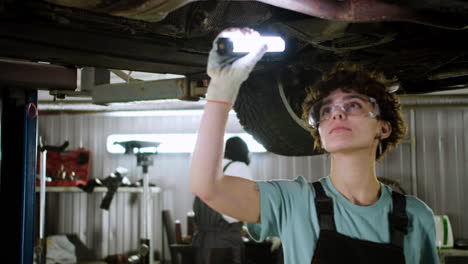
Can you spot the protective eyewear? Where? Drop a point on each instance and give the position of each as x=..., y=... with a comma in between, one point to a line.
x=351, y=105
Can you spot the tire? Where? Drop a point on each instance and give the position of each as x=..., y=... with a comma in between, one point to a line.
x=264, y=110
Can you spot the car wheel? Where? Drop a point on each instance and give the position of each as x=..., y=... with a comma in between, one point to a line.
x=270, y=112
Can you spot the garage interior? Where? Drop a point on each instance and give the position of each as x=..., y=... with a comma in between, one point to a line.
x=430, y=164
x=77, y=110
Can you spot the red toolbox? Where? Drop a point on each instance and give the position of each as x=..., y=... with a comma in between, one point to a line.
x=67, y=168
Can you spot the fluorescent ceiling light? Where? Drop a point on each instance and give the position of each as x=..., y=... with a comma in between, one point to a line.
x=179, y=112
x=173, y=143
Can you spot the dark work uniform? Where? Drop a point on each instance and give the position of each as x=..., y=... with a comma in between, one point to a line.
x=333, y=247
x=216, y=240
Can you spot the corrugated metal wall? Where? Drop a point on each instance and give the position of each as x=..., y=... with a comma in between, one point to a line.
x=442, y=167
x=432, y=166
x=105, y=232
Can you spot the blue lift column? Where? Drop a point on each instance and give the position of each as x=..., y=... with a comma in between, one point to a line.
x=18, y=173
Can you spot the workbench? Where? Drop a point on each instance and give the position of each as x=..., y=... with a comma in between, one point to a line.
x=456, y=256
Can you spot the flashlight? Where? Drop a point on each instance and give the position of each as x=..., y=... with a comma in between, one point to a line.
x=231, y=43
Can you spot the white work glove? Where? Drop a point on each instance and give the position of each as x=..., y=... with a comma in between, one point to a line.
x=228, y=73
x=275, y=243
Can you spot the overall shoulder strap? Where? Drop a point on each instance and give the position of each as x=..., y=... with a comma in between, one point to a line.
x=324, y=207
x=227, y=165
x=398, y=219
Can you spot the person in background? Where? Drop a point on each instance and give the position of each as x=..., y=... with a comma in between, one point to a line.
x=219, y=237
x=345, y=217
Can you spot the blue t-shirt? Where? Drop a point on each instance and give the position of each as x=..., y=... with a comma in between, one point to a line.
x=288, y=211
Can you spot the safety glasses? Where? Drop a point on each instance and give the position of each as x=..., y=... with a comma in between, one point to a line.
x=350, y=104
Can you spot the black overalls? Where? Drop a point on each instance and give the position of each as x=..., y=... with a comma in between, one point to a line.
x=216, y=240
x=333, y=247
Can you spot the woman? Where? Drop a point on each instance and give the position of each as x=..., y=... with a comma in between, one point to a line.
x=346, y=217
x=219, y=237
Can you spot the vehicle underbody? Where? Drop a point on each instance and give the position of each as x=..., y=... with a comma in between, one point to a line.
x=421, y=43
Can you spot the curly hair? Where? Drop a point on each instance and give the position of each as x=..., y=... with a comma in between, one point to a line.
x=353, y=77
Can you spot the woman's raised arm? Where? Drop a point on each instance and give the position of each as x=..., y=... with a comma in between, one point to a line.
x=233, y=196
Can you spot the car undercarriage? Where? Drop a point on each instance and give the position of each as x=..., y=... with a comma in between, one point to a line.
x=423, y=44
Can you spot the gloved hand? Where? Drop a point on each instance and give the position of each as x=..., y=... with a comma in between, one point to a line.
x=228, y=73
x=275, y=243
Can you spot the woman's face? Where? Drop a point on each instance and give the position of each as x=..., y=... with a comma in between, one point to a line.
x=348, y=123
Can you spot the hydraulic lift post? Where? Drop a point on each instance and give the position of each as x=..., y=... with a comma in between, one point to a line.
x=144, y=159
